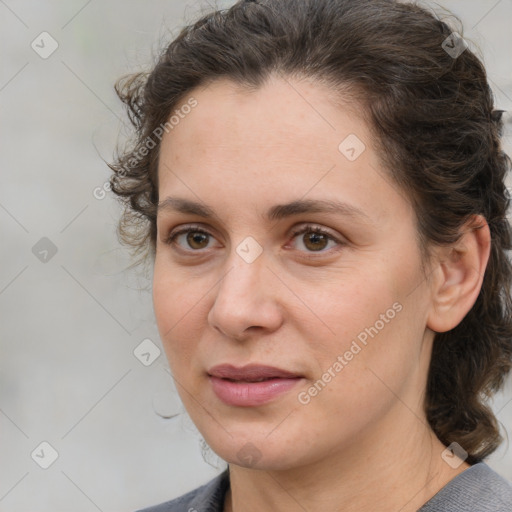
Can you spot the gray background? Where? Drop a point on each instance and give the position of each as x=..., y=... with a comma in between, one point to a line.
x=69, y=325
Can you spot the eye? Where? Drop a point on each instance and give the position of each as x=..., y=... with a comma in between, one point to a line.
x=315, y=239
x=193, y=237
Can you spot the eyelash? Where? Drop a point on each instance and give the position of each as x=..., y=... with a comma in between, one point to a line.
x=171, y=239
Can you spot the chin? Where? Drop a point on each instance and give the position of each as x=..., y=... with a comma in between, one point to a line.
x=256, y=452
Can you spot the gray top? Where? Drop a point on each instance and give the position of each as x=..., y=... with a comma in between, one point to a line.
x=477, y=489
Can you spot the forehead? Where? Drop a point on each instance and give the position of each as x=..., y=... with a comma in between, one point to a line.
x=280, y=141
x=284, y=117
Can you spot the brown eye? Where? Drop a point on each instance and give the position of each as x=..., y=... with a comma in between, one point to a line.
x=315, y=241
x=190, y=239
x=197, y=239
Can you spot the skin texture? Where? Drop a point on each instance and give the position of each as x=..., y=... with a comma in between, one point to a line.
x=362, y=443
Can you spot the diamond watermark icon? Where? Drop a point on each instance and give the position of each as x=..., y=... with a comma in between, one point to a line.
x=351, y=147
x=454, y=45
x=454, y=455
x=249, y=455
x=147, y=352
x=249, y=249
x=44, y=45
x=44, y=250
x=44, y=455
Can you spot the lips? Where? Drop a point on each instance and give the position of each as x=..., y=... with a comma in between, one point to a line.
x=250, y=385
x=250, y=373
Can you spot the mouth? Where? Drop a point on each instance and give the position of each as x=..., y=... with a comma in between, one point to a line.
x=251, y=385
x=250, y=372
x=250, y=380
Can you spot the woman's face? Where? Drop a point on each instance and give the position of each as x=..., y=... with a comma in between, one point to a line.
x=344, y=311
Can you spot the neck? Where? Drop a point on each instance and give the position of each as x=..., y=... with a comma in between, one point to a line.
x=399, y=471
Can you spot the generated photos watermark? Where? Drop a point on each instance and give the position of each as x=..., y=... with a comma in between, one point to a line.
x=304, y=397
x=149, y=143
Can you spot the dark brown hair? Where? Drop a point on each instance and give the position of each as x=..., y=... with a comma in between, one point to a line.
x=437, y=132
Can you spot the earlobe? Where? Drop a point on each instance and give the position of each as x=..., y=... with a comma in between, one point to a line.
x=460, y=270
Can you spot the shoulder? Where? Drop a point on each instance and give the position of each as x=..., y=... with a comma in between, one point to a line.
x=477, y=488
x=207, y=498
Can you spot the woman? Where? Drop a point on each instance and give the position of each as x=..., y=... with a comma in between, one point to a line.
x=320, y=186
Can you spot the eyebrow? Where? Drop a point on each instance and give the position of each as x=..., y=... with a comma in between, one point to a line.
x=276, y=212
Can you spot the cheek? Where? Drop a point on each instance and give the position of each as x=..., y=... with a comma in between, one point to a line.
x=179, y=307
x=370, y=319
x=349, y=305
x=165, y=295
x=174, y=295
x=358, y=382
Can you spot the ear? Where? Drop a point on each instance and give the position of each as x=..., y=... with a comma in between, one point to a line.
x=458, y=275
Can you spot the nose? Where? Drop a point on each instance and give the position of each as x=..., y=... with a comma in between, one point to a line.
x=246, y=300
